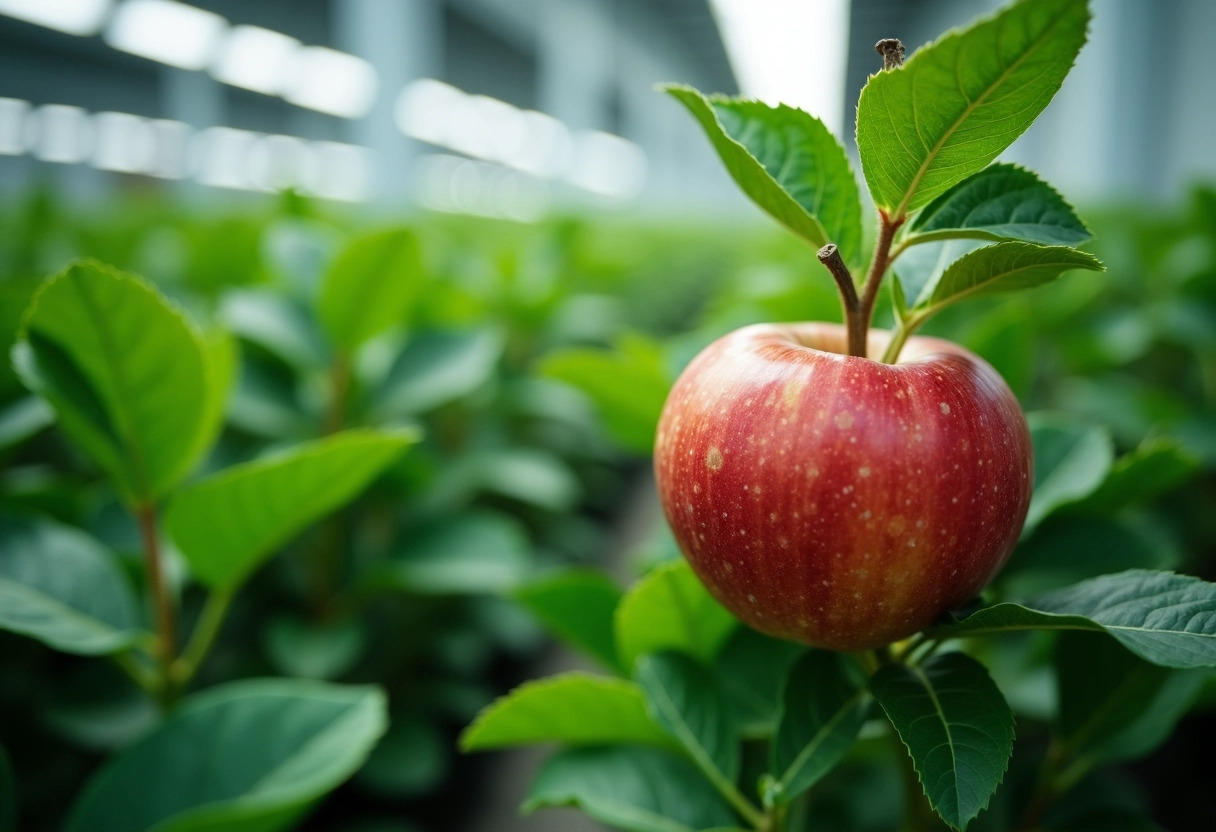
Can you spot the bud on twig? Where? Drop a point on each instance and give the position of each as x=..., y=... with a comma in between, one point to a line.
x=892, y=51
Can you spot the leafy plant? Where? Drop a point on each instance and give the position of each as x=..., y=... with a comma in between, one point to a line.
x=927, y=133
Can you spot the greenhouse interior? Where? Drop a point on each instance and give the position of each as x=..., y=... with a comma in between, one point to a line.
x=565, y=415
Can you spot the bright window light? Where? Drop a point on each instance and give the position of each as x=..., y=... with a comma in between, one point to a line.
x=276, y=163
x=608, y=165
x=172, y=148
x=219, y=156
x=255, y=59
x=76, y=17
x=331, y=82
x=123, y=143
x=455, y=185
x=422, y=109
x=166, y=31
x=59, y=133
x=13, y=113
x=346, y=172
x=789, y=51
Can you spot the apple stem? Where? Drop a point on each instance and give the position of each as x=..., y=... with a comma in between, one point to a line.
x=855, y=324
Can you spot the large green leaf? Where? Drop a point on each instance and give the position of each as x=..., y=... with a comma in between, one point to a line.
x=957, y=103
x=227, y=524
x=636, y=789
x=370, y=287
x=1071, y=459
x=628, y=386
x=1006, y=267
x=1113, y=705
x=438, y=367
x=957, y=727
x=751, y=669
x=686, y=702
x=474, y=552
x=578, y=606
x=1001, y=202
x=247, y=756
x=823, y=708
x=573, y=709
x=787, y=162
x=62, y=587
x=126, y=373
x=1156, y=467
x=669, y=609
x=1164, y=618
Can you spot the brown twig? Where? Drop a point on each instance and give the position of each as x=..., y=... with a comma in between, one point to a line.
x=166, y=626
x=854, y=322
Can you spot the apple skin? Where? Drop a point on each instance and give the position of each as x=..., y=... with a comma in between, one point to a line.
x=835, y=500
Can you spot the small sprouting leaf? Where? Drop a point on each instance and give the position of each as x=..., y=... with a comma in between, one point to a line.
x=62, y=587
x=957, y=727
x=751, y=668
x=125, y=372
x=1164, y=618
x=370, y=287
x=1001, y=202
x=635, y=789
x=578, y=606
x=228, y=523
x=670, y=609
x=957, y=103
x=1006, y=267
x=573, y=709
x=1071, y=459
x=474, y=552
x=1156, y=467
x=627, y=385
x=686, y=702
x=787, y=162
x=823, y=708
x=252, y=755
x=1113, y=705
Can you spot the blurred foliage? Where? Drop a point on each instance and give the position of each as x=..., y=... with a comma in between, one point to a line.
x=534, y=360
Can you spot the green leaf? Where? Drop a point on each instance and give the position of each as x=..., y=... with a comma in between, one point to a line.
x=475, y=552
x=22, y=419
x=824, y=706
x=751, y=669
x=251, y=755
x=62, y=587
x=125, y=372
x=410, y=760
x=370, y=286
x=628, y=386
x=1156, y=467
x=1001, y=202
x=1164, y=618
x=228, y=524
x=314, y=650
x=957, y=727
x=572, y=708
x=439, y=367
x=1006, y=267
x=957, y=103
x=787, y=162
x=1113, y=705
x=8, y=794
x=1071, y=460
x=636, y=789
x=686, y=702
x=670, y=609
x=278, y=324
x=578, y=606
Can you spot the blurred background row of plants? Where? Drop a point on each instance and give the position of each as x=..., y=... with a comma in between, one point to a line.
x=535, y=359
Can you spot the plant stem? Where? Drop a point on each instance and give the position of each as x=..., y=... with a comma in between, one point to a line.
x=855, y=324
x=878, y=265
x=138, y=673
x=210, y=620
x=339, y=389
x=166, y=627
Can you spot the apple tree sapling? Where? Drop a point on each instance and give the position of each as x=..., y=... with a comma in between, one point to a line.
x=854, y=490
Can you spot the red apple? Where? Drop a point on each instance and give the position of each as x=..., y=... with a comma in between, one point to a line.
x=835, y=500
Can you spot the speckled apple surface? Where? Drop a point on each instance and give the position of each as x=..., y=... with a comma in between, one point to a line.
x=835, y=500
